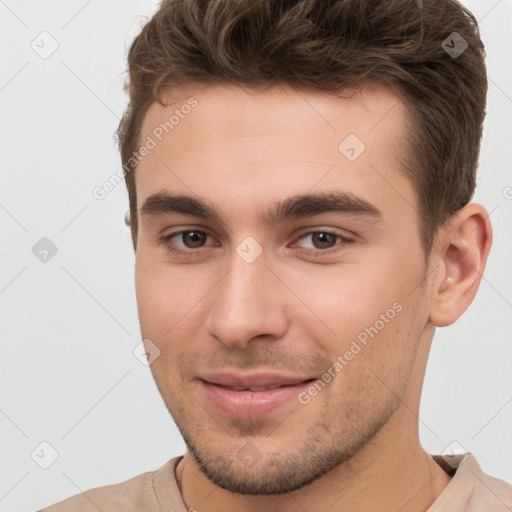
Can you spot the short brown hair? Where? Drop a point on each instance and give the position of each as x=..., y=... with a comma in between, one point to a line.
x=329, y=45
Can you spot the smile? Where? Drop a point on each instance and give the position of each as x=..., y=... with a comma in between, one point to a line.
x=245, y=401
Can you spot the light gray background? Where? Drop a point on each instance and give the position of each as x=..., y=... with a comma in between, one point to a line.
x=69, y=326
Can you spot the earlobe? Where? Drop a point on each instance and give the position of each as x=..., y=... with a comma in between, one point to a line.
x=464, y=245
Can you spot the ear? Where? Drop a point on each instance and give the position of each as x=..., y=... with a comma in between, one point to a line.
x=460, y=253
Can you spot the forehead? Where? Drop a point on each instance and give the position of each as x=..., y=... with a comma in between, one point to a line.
x=225, y=111
x=244, y=147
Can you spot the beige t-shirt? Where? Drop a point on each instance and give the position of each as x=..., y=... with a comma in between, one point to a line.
x=470, y=490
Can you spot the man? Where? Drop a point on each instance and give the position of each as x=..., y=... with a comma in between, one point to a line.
x=300, y=176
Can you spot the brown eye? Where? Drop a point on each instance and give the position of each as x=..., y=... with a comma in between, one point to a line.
x=322, y=241
x=193, y=239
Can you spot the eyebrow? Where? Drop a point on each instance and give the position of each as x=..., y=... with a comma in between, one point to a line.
x=294, y=207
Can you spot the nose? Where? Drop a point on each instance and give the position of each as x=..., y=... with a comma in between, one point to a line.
x=249, y=301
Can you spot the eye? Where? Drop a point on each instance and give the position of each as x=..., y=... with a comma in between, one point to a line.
x=323, y=241
x=191, y=238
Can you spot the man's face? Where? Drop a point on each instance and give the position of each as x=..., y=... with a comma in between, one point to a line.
x=253, y=301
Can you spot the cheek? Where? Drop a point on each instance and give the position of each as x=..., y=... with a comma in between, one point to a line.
x=156, y=299
x=361, y=312
x=171, y=303
x=161, y=290
x=146, y=287
x=346, y=299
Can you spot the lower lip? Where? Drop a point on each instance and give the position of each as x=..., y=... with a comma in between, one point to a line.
x=250, y=404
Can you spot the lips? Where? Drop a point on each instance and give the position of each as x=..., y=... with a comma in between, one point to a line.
x=251, y=388
x=267, y=380
x=253, y=395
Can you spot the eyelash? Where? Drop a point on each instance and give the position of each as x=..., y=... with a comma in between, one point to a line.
x=169, y=245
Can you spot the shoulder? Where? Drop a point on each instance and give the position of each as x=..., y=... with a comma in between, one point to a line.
x=132, y=495
x=471, y=490
x=491, y=494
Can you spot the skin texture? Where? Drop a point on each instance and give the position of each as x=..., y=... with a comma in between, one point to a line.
x=355, y=443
